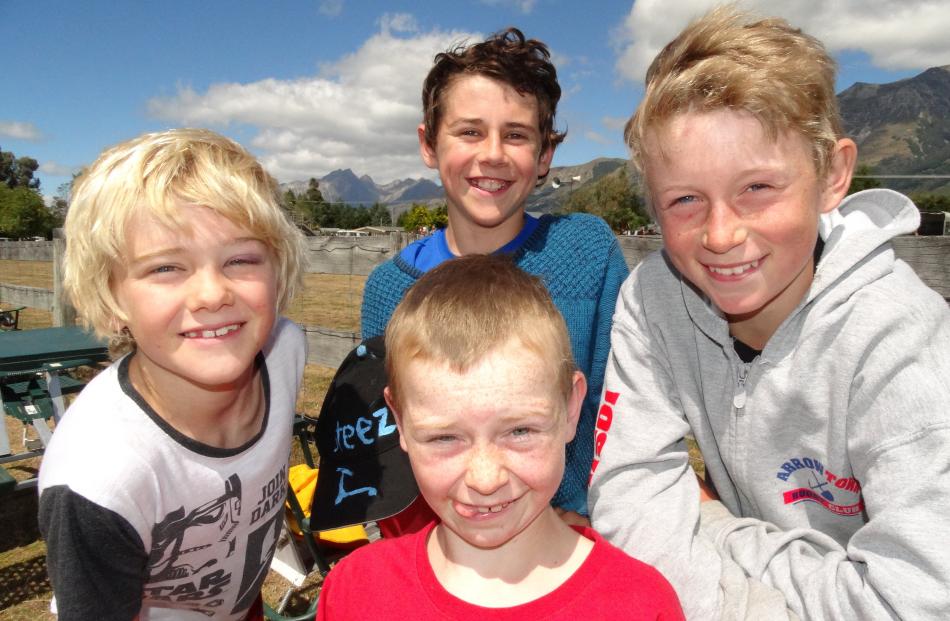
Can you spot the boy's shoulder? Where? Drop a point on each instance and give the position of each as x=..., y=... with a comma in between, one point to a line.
x=101, y=445
x=854, y=272
x=578, y=240
x=287, y=344
x=366, y=577
x=393, y=273
x=384, y=288
x=398, y=551
x=618, y=568
x=585, y=225
x=654, y=283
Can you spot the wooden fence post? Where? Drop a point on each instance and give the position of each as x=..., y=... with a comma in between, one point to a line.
x=63, y=312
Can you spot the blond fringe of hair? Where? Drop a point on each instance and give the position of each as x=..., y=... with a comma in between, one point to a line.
x=153, y=175
x=469, y=307
x=729, y=59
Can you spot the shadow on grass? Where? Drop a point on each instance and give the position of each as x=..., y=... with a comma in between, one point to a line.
x=18, y=520
x=23, y=581
x=22, y=561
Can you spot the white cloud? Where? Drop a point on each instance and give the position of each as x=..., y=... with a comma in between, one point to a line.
x=614, y=123
x=19, y=131
x=597, y=137
x=896, y=34
x=398, y=22
x=525, y=6
x=360, y=111
x=55, y=169
x=331, y=8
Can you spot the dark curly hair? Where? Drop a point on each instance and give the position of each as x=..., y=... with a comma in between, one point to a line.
x=506, y=56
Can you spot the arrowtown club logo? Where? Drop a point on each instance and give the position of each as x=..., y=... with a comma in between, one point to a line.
x=815, y=483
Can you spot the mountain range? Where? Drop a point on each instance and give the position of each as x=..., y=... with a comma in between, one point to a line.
x=901, y=128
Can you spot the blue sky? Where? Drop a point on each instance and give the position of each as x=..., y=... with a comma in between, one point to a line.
x=312, y=86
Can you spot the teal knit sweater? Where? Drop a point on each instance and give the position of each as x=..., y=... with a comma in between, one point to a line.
x=580, y=261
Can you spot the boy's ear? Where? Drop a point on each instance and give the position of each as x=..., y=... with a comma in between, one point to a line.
x=388, y=396
x=544, y=161
x=427, y=152
x=574, y=402
x=839, y=174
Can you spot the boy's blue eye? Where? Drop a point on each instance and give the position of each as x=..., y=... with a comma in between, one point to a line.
x=163, y=269
x=758, y=186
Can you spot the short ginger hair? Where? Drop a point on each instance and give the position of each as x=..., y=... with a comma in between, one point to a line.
x=728, y=59
x=506, y=56
x=153, y=174
x=468, y=307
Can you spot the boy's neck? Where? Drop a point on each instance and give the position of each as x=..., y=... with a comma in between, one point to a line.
x=465, y=237
x=225, y=419
x=755, y=329
x=532, y=564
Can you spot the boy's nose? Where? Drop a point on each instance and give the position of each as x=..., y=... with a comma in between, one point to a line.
x=486, y=472
x=493, y=151
x=209, y=290
x=724, y=229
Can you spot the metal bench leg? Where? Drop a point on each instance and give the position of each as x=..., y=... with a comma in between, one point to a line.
x=4, y=441
x=56, y=395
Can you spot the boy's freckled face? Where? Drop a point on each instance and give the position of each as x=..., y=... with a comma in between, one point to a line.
x=200, y=304
x=739, y=212
x=487, y=445
x=487, y=152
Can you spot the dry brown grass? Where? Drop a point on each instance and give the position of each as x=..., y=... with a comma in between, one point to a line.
x=24, y=587
x=27, y=273
x=329, y=300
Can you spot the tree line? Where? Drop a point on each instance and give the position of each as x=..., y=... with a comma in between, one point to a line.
x=23, y=213
x=310, y=208
x=615, y=197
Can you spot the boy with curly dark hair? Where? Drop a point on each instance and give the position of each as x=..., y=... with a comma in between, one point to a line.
x=488, y=128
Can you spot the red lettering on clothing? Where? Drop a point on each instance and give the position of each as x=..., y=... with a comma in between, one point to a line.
x=605, y=417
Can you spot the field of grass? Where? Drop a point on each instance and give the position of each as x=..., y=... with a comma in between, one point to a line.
x=327, y=300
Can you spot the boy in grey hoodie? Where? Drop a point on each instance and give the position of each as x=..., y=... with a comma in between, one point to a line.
x=778, y=328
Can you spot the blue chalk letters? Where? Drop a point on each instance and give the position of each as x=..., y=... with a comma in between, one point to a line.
x=362, y=430
x=342, y=493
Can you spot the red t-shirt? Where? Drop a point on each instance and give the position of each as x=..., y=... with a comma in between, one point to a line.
x=393, y=579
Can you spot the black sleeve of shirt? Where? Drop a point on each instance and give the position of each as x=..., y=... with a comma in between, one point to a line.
x=95, y=559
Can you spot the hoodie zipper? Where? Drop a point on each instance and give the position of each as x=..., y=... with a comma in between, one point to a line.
x=738, y=399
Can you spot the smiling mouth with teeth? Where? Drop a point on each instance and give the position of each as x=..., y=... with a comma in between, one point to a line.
x=210, y=334
x=489, y=185
x=733, y=271
x=493, y=508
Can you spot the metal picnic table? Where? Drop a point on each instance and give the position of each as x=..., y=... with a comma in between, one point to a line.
x=32, y=383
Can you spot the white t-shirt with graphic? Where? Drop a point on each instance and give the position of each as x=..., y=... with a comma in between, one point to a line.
x=140, y=519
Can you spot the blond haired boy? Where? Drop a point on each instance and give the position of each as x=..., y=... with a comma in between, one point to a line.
x=779, y=329
x=486, y=395
x=161, y=493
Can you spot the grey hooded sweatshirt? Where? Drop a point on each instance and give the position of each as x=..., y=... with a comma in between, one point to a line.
x=830, y=451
